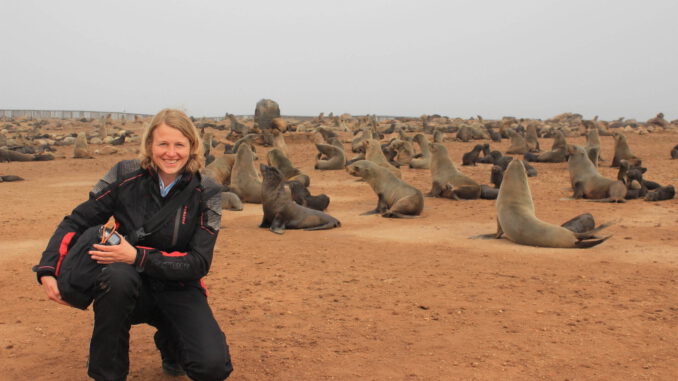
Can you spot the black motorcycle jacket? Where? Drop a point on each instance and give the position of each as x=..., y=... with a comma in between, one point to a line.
x=179, y=251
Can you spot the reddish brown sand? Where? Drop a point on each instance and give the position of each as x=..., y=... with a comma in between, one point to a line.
x=383, y=299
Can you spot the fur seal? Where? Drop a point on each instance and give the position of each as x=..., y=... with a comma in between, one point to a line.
x=330, y=157
x=674, y=152
x=445, y=175
x=276, y=158
x=396, y=198
x=403, y=151
x=516, y=217
x=374, y=154
x=231, y=201
x=593, y=145
x=281, y=213
x=623, y=152
x=423, y=161
x=220, y=169
x=557, y=154
x=9, y=155
x=80, y=149
x=9, y=178
x=303, y=197
x=277, y=128
x=660, y=194
x=587, y=182
x=518, y=143
x=245, y=180
x=531, y=138
x=471, y=157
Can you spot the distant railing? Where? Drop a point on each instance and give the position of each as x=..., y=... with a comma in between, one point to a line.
x=68, y=114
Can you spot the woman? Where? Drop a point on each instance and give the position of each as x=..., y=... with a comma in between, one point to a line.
x=157, y=281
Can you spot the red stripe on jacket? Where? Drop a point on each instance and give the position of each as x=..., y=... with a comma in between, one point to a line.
x=166, y=254
x=63, y=250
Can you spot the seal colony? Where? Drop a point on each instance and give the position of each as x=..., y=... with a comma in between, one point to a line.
x=391, y=154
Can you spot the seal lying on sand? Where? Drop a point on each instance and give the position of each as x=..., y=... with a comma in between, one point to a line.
x=281, y=213
x=674, y=152
x=395, y=197
x=660, y=194
x=9, y=178
x=587, y=182
x=517, y=220
x=445, y=176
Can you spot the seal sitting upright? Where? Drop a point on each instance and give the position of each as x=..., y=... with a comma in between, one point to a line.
x=587, y=182
x=517, y=220
x=396, y=199
x=281, y=213
x=447, y=181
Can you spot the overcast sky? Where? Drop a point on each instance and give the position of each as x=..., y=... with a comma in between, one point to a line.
x=525, y=58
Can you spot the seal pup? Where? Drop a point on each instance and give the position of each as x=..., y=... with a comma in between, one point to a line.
x=490, y=158
x=231, y=201
x=623, y=152
x=329, y=157
x=587, y=182
x=245, y=180
x=445, y=176
x=516, y=217
x=674, y=152
x=281, y=213
x=80, y=149
x=660, y=194
x=276, y=158
x=395, y=198
x=303, y=197
x=471, y=157
x=423, y=160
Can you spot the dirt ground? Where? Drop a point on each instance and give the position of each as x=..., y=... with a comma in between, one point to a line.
x=383, y=299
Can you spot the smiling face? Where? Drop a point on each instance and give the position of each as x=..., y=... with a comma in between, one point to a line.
x=170, y=151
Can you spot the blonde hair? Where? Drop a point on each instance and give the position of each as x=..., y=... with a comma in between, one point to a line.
x=176, y=119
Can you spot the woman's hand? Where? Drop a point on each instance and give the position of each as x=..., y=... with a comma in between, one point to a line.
x=105, y=254
x=49, y=284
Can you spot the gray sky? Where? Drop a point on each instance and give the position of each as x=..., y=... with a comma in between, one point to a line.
x=525, y=58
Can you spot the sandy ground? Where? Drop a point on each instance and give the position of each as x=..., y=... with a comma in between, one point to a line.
x=383, y=299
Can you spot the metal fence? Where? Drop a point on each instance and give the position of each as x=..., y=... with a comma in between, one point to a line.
x=68, y=114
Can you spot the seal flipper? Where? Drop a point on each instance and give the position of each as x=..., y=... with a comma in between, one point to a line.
x=277, y=226
x=585, y=244
x=580, y=224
